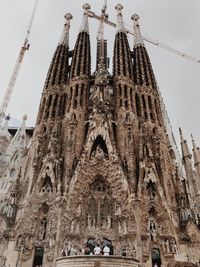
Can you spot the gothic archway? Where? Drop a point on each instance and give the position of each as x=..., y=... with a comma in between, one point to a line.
x=99, y=143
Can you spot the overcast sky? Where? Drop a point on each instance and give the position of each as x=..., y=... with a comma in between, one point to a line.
x=172, y=22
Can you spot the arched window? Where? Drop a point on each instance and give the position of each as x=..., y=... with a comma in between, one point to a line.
x=151, y=187
x=47, y=185
x=137, y=102
x=99, y=146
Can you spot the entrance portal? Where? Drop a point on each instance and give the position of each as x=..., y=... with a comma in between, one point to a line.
x=38, y=258
x=155, y=257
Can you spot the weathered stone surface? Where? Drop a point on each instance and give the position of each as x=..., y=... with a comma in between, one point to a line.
x=101, y=169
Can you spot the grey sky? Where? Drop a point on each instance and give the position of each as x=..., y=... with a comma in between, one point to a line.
x=172, y=22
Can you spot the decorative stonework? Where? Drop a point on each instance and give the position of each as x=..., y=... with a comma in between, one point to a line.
x=101, y=170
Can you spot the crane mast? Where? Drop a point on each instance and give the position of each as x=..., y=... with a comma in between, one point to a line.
x=17, y=66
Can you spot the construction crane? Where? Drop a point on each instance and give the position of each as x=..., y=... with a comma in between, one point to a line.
x=92, y=14
x=17, y=66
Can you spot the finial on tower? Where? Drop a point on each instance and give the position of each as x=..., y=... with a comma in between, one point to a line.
x=119, y=8
x=24, y=118
x=7, y=118
x=86, y=7
x=193, y=142
x=84, y=25
x=64, y=40
x=68, y=17
x=181, y=134
x=137, y=34
x=120, y=22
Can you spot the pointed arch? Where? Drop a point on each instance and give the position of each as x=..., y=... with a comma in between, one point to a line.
x=47, y=186
x=100, y=142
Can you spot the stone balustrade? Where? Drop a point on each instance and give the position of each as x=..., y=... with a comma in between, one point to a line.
x=96, y=261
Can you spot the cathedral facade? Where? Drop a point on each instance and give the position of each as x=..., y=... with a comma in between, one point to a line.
x=101, y=170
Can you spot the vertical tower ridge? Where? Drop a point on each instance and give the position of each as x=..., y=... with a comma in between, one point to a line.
x=85, y=25
x=58, y=71
x=143, y=71
x=81, y=61
x=54, y=97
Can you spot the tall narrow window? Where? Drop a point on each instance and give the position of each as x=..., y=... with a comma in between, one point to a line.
x=125, y=90
x=54, y=106
x=48, y=107
x=76, y=90
x=38, y=257
x=158, y=112
x=137, y=102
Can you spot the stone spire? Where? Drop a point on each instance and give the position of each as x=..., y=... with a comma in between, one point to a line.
x=19, y=140
x=81, y=57
x=101, y=42
x=122, y=62
x=85, y=25
x=5, y=138
x=193, y=190
x=196, y=158
x=137, y=34
x=58, y=71
x=196, y=152
x=120, y=22
x=53, y=102
x=143, y=72
x=4, y=130
x=64, y=40
x=184, y=147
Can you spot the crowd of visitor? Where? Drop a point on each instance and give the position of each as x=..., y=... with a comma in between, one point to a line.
x=91, y=249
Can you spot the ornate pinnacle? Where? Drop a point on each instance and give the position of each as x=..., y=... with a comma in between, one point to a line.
x=64, y=40
x=193, y=142
x=137, y=34
x=7, y=118
x=119, y=8
x=120, y=23
x=24, y=118
x=68, y=17
x=84, y=25
x=135, y=17
x=86, y=7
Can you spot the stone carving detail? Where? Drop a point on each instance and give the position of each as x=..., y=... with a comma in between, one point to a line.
x=172, y=246
x=100, y=168
x=100, y=207
x=152, y=229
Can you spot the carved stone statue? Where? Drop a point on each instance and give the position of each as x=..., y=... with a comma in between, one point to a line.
x=152, y=229
x=172, y=246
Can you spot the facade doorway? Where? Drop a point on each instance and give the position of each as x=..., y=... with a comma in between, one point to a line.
x=155, y=257
x=38, y=257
